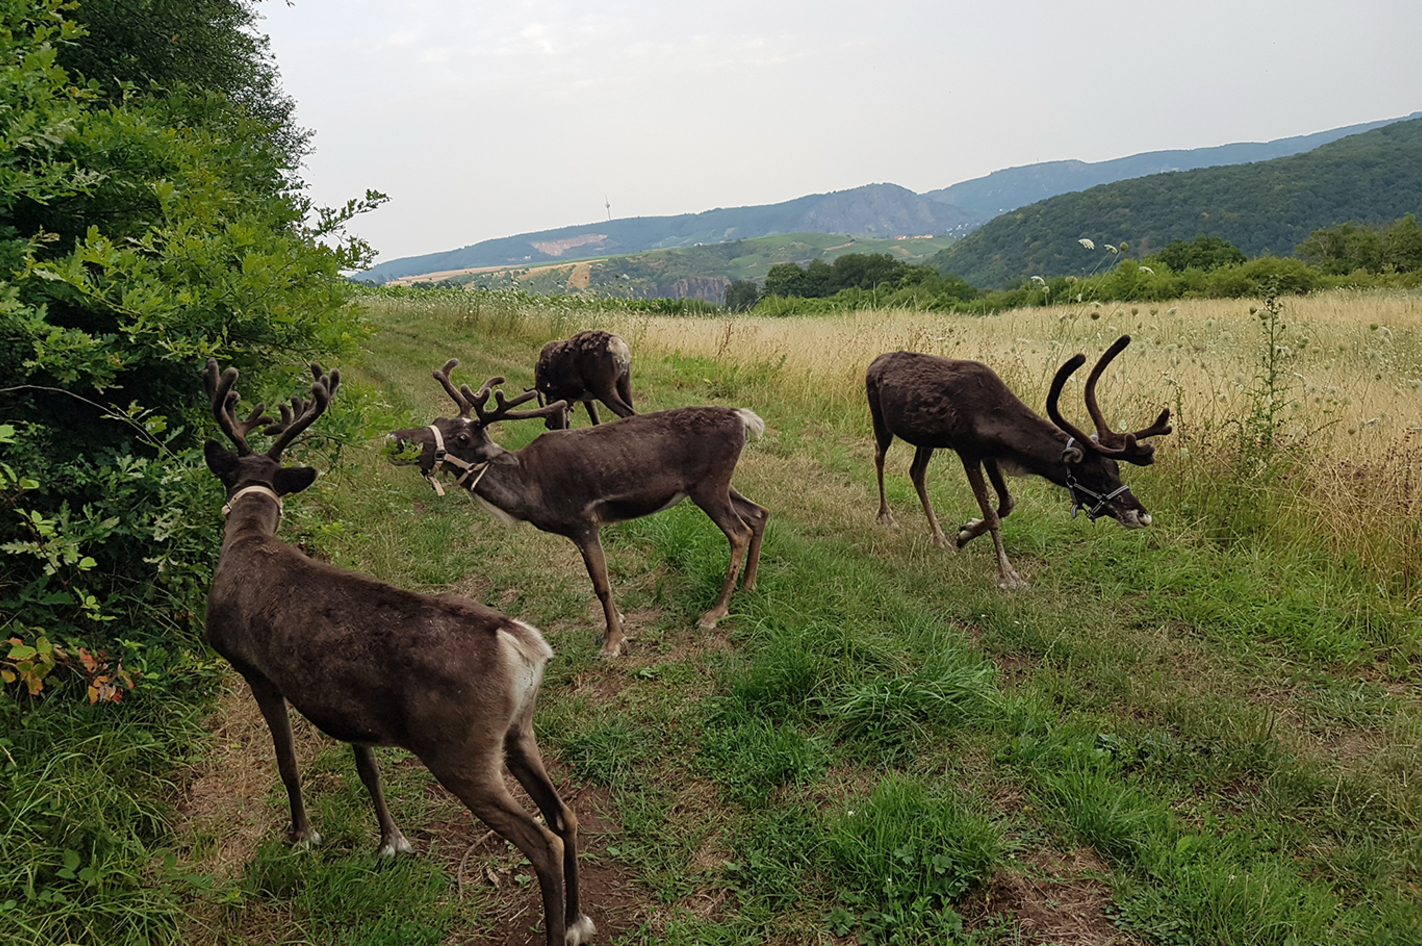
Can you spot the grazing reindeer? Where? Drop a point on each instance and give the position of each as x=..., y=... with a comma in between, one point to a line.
x=573, y=482
x=589, y=367
x=963, y=406
x=450, y=680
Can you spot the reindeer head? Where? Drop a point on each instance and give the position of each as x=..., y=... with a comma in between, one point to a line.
x=464, y=437
x=1093, y=475
x=246, y=468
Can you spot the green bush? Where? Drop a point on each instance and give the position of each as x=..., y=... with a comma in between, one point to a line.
x=141, y=237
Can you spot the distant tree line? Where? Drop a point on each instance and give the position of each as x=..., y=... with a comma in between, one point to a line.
x=1207, y=267
x=1351, y=248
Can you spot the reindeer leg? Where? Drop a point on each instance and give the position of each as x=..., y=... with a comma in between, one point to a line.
x=973, y=528
x=622, y=404
x=526, y=763
x=484, y=793
x=615, y=401
x=917, y=473
x=1006, y=576
x=723, y=512
x=882, y=438
x=592, y=411
x=273, y=707
x=755, y=516
x=392, y=842
x=612, y=640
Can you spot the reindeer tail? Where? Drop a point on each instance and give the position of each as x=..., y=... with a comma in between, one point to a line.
x=753, y=422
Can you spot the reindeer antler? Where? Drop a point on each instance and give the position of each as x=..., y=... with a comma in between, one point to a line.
x=302, y=413
x=505, y=409
x=224, y=407
x=442, y=376
x=1110, y=444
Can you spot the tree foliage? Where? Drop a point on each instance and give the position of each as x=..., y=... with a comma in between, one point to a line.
x=1348, y=248
x=140, y=234
x=1205, y=254
x=1269, y=206
x=851, y=271
x=161, y=46
x=742, y=295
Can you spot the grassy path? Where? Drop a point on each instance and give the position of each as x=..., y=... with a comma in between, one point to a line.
x=1165, y=739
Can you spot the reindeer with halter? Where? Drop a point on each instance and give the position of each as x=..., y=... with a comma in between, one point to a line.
x=449, y=679
x=963, y=406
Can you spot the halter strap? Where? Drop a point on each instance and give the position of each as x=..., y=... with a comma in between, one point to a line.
x=266, y=490
x=442, y=456
x=1078, y=491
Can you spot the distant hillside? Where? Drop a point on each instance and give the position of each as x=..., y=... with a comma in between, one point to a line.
x=700, y=272
x=873, y=210
x=1015, y=187
x=1268, y=206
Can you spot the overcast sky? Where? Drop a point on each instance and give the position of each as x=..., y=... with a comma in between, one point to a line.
x=484, y=119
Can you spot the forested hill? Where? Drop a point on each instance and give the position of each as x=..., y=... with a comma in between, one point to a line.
x=872, y=210
x=1269, y=206
x=1011, y=188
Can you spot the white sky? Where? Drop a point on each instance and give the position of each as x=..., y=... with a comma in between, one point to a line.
x=485, y=119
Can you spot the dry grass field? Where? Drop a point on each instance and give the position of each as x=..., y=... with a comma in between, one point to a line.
x=1208, y=731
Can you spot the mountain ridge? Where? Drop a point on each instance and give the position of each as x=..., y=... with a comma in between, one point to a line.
x=1266, y=206
x=871, y=210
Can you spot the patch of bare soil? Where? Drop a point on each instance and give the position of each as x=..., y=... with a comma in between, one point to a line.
x=580, y=276
x=476, y=856
x=225, y=808
x=1056, y=899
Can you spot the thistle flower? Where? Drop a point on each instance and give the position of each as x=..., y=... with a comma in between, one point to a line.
x=1087, y=243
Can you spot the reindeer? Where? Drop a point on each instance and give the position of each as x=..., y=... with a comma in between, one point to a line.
x=450, y=680
x=589, y=367
x=572, y=482
x=963, y=406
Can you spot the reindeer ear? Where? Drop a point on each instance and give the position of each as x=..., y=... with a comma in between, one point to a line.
x=221, y=461
x=293, y=479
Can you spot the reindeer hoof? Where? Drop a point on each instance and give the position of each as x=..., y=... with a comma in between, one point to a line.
x=305, y=842
x=580, y=932
x=396, y=845
x=885, y=518
x=708, y=621
x=612, y=651
x=1011, y=581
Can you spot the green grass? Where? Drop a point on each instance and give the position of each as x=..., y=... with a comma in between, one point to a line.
x=1230, y=725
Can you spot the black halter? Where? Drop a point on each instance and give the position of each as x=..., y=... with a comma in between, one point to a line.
x=1082, y=498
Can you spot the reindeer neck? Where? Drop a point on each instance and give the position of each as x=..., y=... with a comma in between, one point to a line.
x=506, y=485
x=1037, y=448
x=251, y=512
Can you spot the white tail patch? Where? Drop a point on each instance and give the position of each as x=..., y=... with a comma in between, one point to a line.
x=525, y=654
x=753, y=422
x=621, y=354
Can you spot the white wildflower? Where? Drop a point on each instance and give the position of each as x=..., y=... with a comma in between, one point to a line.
x=1112, y=249
x=1087, y=243
x=1147, y=269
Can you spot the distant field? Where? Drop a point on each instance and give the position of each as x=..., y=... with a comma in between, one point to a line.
x=641, y=273
x=1204, y=732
